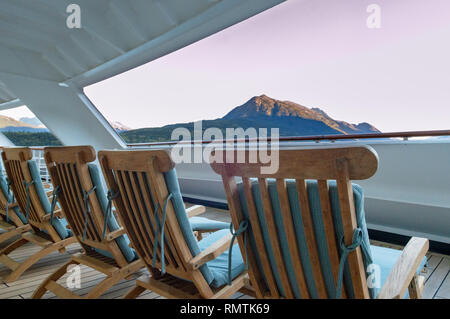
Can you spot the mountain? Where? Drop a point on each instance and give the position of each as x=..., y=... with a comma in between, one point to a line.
x=32, y=121
x=294, y=117
x=291, y=118
x=25, y=124
x=119, y=127
x=348, y=127
x=6, y=121
x=33, y=124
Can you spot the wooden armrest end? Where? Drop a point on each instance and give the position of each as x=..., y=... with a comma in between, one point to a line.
x=114, y=234
x=12, y=205
x=404, y=270
x=47, y=185
x=56, y=213
x=195, y=210
x=210, y=253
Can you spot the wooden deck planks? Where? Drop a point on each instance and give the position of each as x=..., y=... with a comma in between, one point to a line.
x=436, y=279
x=437, y=273
x=443, y=268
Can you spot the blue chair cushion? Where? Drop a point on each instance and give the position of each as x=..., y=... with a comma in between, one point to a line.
x=386, y=258
x=219, y=266
x=178, y=205
x=59, y=224
x=205, y=224
x=122, y=241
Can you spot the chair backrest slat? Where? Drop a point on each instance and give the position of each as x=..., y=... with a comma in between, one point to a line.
x=348, y=215
x=295, y=223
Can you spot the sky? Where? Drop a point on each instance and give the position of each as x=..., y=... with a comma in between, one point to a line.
x=316, y=53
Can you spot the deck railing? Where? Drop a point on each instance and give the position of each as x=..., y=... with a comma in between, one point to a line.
x=313, y=138
x=38, y=156
x=38, y=151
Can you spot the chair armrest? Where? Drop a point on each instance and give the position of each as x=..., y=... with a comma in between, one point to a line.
x=210, y=253
x=114, y=234
x=56, y=213
x=46, y=185
x=404, y=269
x=12, y=205
x=195, y=210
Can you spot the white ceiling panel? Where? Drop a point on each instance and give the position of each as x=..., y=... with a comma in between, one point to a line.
x=115, y=35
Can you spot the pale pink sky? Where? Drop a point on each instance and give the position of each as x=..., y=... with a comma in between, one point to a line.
x=317, y=53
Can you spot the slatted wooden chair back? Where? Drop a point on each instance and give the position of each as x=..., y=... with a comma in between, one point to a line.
x=321, y=165
x=16, y=165
x=8, y=215
x=138, y=176
x=68, y=169
x=3, y=199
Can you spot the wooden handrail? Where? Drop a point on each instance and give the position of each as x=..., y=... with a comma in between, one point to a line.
x=296, y=138
x=34, y=148
x=309, y=138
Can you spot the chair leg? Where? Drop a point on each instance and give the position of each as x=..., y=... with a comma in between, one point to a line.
x=227, y=291
x=60, y=291
x=115, y=277
x=198, y=235
x=134, y=292
x=16, y=273
x=13, y=246
x=14, y=232
x=8, y=235
x=42, y=289
x=248, y=289
x=415, y=288
x=103, y=286
x=96, y=292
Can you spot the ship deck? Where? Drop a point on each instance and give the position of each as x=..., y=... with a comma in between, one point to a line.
x=437, y=272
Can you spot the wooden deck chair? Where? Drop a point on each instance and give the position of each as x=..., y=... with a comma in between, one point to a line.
x=88, y=210
x=152, y=209
x=12, y=221
x=307, y=231
x=47, y=232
